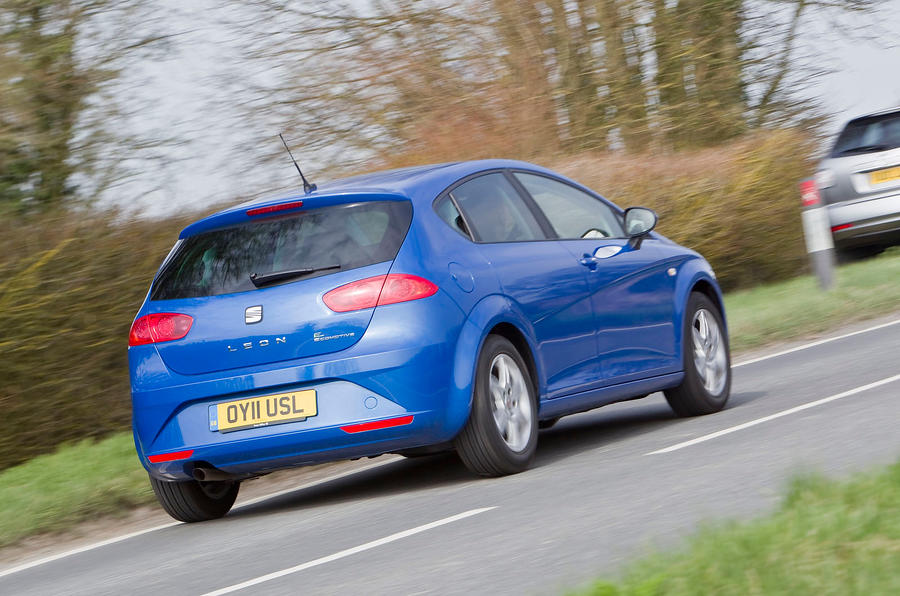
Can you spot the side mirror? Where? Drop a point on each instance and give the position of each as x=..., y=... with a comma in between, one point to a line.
x=639, y=221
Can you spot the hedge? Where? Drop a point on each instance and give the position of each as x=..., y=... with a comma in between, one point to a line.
x=70, y=283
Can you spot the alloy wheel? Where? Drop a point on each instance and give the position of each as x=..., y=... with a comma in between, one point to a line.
x=510, y=402
x=710, y=357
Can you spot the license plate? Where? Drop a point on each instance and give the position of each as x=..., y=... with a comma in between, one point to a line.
x=882, y=176
x=263, y=411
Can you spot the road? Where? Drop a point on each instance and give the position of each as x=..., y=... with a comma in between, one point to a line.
x=606, y=486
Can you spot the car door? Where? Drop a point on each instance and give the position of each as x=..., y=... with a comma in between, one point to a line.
x=632, y=288
x=538, y=274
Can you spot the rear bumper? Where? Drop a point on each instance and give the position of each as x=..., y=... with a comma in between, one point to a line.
x=868, y=222
x=401, y=367
x=257, y=451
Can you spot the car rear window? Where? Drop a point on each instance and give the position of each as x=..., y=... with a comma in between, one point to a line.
x=874, y=133
x=222, y=261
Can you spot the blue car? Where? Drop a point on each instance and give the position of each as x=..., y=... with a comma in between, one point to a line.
x=456, y=306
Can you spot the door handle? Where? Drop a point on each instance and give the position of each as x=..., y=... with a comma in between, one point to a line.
x=604, y=252
x=588, y=261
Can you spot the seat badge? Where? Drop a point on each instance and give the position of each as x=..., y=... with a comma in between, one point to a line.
x=253, y=314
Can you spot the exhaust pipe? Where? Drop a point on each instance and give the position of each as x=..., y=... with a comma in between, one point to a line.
x=210, y=474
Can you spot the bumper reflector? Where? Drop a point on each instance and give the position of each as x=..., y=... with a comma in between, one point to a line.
x=841, y=227
x=377, y=424
x=175, y=455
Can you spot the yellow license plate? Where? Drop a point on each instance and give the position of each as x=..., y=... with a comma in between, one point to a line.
x=882, y=176
x=263, y=411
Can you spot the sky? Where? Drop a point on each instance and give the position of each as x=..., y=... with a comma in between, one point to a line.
x=865, y=69
x=185, y=92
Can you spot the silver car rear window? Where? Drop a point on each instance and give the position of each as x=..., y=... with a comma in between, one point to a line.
x=873, y=133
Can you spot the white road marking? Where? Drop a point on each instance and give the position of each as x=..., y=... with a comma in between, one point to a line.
x=348, y=552
x=814, y=344
x=109, y=541
x=102, y=543
x=82, y=549
x=800, y=408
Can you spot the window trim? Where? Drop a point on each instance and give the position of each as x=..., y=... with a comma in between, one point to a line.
x=540, y=218
x=468, y=236
x=616, y=210
x=532, y=205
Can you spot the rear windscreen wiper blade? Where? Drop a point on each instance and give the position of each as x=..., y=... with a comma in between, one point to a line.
x=865, y=149
x=261, y=279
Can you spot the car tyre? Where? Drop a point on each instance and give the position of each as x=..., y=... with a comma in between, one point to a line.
x=500, y=436
x=707, y=361
x=194, y=501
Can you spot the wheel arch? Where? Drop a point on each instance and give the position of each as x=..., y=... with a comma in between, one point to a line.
x=704, y=286
x=494, y=314
x=695, y=275
x=517, y=339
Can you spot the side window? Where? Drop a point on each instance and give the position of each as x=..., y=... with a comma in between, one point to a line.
x=447, y=211
x=496, y=211
x=572, y=213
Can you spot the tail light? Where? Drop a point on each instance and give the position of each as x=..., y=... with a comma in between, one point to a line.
x=159, y=327
x=274, y=208
x=378, y=291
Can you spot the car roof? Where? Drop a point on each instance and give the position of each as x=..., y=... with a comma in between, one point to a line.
x=428, y=180
x=876, y=114
x=418, y=184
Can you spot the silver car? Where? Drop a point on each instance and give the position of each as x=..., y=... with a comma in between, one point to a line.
x=859, y=181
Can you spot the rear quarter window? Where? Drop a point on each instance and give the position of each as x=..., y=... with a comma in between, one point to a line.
x=448, y=212
x=222, y=261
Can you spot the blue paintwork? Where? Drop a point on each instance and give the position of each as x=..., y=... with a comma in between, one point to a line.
x=597, y=331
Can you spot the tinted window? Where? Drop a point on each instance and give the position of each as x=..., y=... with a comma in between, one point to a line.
x=221, y=261
x=447, y=211
x=572, y=213
x=869, y=134
x=496, y=211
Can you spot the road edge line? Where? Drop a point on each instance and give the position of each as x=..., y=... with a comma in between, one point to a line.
x=794, y=410
x=95, y=545
x=82, y=549
x=815, y=343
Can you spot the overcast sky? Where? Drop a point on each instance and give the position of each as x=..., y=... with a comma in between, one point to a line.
x=865, y=63
x=865, y=77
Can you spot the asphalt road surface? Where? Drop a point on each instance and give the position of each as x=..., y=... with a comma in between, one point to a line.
x=606, y=486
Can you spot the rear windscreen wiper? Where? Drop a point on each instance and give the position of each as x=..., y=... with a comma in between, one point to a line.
x=262, y=279
x=864, y=149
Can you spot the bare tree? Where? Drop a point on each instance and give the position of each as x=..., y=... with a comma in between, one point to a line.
x=411, y=80
x=59, y=61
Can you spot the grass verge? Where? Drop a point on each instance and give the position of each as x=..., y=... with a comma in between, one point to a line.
x=77, y=482
x=796, y=308
x=55, y=491
x=827, y=538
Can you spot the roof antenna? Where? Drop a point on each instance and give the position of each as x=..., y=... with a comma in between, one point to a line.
x=307, y=187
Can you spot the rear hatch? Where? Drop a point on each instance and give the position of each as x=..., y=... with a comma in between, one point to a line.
x=296, y=258
x=865, y=160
